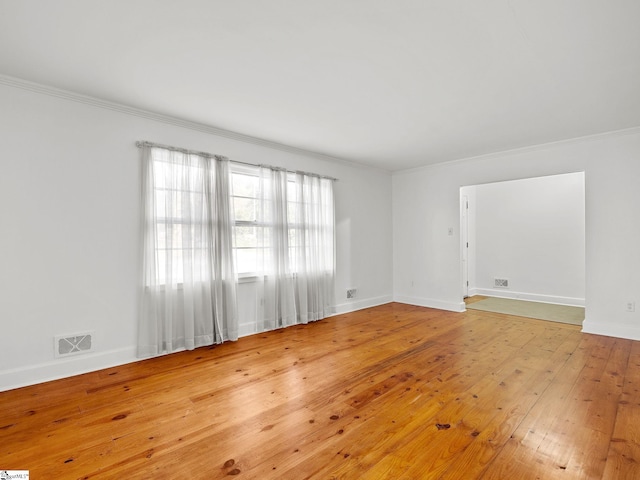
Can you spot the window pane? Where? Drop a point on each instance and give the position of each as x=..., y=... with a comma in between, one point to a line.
x=264, y=236
x=294, y=212
x=246, y=260
x=293, y=236
x=292, y=191
x=161, y=236
x=196, y=205
x=197, y=236
x=161, y=198
x=161, y=266
x=169, y=236
x=172, y=272
x=245, y=237
x=244, y=185
x=244, y=209
x=176, y=271
x=160, y=170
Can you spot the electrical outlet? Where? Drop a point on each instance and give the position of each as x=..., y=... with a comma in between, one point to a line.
x=351, y=293
x=631, y=306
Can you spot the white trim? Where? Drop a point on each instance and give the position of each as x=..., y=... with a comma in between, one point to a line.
x=67, y=367
x=430, y=303
x=247, y=329
x=77, y=365
x=158, y=117
x=611, y=330
x=522, y=150
x=532, y=297
x=361, y=304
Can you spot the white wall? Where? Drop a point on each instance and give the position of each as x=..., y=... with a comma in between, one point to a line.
x=69, y=204
x=426, y=261
x=530, y=232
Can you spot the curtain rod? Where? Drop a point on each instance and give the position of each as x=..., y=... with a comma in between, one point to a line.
x=141, y=144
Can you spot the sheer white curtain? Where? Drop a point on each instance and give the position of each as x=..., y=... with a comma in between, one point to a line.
x=313, y=257
x=274, y=275
x=295, y=259
x=188, y=294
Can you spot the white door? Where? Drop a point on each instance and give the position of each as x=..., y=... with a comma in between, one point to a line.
x=464, y=247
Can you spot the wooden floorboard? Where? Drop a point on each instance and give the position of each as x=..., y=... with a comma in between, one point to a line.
x=395, y=391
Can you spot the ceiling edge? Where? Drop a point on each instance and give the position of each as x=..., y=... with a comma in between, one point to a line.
x=523, y=150
x=171, y=120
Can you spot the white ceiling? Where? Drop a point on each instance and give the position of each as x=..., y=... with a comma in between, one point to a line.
x=390, y=83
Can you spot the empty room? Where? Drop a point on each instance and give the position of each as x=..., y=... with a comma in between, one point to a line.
x=311, y=240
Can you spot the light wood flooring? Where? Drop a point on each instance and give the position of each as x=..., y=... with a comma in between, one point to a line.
x=392, y=392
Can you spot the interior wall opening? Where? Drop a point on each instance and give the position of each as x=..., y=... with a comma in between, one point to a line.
x=525, y=239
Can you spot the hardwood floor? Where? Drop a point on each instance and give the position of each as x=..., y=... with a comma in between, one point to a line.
x=474, y=299
x=396, y=391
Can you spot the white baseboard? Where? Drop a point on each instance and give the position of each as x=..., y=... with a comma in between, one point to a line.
x=430, y=303
x=361, y=304
x=532, y=297
x=618, y=331
x=63, y=368
x=352, y=306
x=79, y=364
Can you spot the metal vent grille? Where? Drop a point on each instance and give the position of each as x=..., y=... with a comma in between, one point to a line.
x=501, y=283
x=75, y=344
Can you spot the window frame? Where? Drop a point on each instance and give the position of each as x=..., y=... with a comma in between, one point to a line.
x=239, y=169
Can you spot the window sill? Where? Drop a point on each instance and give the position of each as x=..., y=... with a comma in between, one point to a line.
x=247, y=278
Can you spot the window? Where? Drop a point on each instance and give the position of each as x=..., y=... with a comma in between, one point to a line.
x=194, y=251
x=189, y=295
x=309, y=212
x=248, y=229
x=181, y=219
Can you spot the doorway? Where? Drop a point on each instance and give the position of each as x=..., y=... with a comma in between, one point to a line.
x=525, y=239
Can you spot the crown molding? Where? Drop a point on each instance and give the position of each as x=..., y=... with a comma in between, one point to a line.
x=523, y=150
x=171, y=120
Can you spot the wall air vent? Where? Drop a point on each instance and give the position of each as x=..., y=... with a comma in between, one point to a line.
x=73, y=344
x=351, y=293
x=501, y=283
